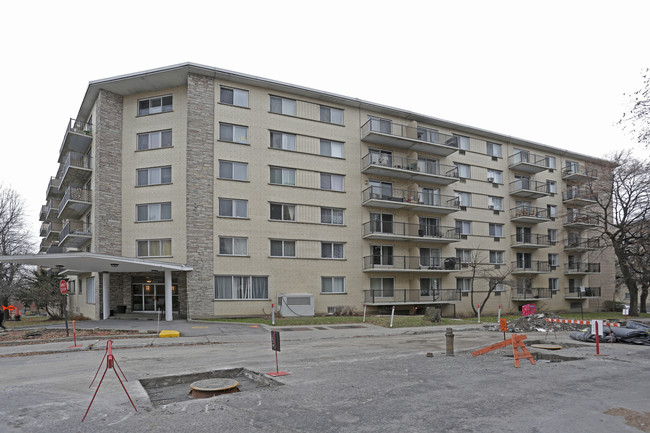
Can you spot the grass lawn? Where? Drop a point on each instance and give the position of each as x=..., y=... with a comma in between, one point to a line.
x=29, y=321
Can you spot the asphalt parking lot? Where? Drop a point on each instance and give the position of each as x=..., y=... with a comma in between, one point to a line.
x=342, y=379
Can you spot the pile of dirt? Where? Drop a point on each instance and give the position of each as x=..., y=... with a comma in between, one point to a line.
x=27, y=336
x=537, y=323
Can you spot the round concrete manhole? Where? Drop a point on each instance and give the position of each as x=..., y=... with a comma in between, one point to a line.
x=207, y=388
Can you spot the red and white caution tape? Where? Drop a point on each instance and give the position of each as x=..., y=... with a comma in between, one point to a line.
x=582, y=322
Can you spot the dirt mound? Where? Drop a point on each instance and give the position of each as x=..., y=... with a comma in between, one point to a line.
x=537, y=323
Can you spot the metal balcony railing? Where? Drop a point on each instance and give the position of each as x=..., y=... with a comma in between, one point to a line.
x=529, y=185
x=76, y=160
x=80, y=127
x=523, y=294
x=578, y=170
x=581, y=219
x=409, y=196
x=577, y=292
x=406, y=296
x=525, y=157
x=412, y=263
x=582, y=267
x=78, y=228
x=418, y=165
x=410, y=229
x=529, y=212
x=407, y=132
x=531, y=239
x=588, y=244
x=578, y=194
x=531, y=266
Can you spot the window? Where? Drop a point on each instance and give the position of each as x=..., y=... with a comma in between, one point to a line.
x=381, y=222
x=155, y=140
x=464, y=227
x=282, y=140
x=283, y=248
x=495, y=203
x=240, y=287
x=495, y=176
x=331, y=182
x=550, y=162
x=332, y=285
x=331, y=250
x=382, y=287
x=71, y=286
x=428, y=134
x=494, y=149
x=464, y=284
x=497, y=257
x=496, y=230
x=381, y=190
x=331, y=216
x=380, y=125
x=233, y=170
x=463, y=170
x=571, y=167
x=155, y=248
x=430, y=287
x=382, y=255
x=551, y=187
x=464, y=256
x=331, y=148
x=90, y=290
x=231, y=246
x=233, y=133
x=381, y=157
x=464, y=198
x=233, y=208
x=430, y=258
x=331, y=115
x=552, y=210
x=283, y=106
x=552, y=235
x=553, y=284
x=159, y=104
x=498, y=287
x=154, y=176
x=553, y=260
x=283, y=176
x=154, y=212
x=283, y=212
x=81, y=288
x=236, y=97
x=463, y=142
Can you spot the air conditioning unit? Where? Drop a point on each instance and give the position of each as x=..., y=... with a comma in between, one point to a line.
x=491, y=179
x=296, y=304
x=491, y=207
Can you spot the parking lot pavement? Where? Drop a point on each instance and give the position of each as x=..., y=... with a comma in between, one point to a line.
x=341, y=380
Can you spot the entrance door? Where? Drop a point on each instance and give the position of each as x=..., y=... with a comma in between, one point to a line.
x=150, y=297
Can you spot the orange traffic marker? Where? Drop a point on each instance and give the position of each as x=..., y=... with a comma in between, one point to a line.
x=517, y=343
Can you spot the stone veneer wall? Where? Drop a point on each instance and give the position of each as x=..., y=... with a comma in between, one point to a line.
x=199, y=195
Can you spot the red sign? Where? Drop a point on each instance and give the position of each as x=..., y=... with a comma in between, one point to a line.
x=63, y=286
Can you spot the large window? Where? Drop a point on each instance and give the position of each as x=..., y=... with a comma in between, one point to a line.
x=90, y=290
x=283, y=176
x=553, y=284
x=232, y=96
x=382, y=255
x=282, y=248
x=495, y=203
x=159, y=104
x=331, y=148
x=233, y=133
x=464, y=227
x=155, y=248
x=154, y=176
x=497, y=257
x=494, y=176
x=240, y=287
x=464, y=284
x=428, y=134
x=494, y=149
x=381, y=222
x=332, y=182
x=331, y=216
x=154, y=212
x=431, y=287
x=463, y=170
x=332, y=250
x=331, y=115
x=229, y=207
x=283, y=212
x=233, y=170
x=551, y=187
x=283, y=105
x=464, y=256
x=155, y=140
x=495, y=230
x=463, y=142
x=332, y=285
x=553, y=260
x=464, y=198
x=282, y=140
x=382, y=287
x=233, y=246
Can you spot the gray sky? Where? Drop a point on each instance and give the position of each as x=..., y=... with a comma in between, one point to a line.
x=554, y=72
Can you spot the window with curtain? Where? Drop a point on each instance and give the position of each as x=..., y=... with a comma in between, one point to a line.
x=331, y=182
x=463, y=170
x=282, y=248
x=233, y=208
x=155, y=140
x=331, y=216
x=154, y=176
x=283, y=176
x=331, y=148
x=332, y=284
x=331, y=115
x=233, y=170
x=233, y=96
x=495, y=230
x=240, y=287
x=283, y=106
x=332, y=250
x=283, y=140
x=90, y=290
x=233, y=246
x=283, y=212
x=154, y=212
x=233, y=133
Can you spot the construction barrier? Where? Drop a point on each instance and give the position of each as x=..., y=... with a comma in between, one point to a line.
x=582, y=322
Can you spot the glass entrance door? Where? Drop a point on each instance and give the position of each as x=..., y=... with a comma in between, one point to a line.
x=150, y=297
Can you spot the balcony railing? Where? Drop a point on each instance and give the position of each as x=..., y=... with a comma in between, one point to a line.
x=578, y=172
x=78, y=137
x=578, y=293
x=401, y=167
x=531, y=239
x=582, y=268
x=578, y=195
x=580, y=220
x=525, y=294
x=529, y=213
x=530, y=266
x=53, y=186
x=528, y=188
x=527, y=162
x=397, y=135
x=410, y=263
x=406, y=296
x=399, y=229
x=74, y=234
x=400, y=198
x=582, y=244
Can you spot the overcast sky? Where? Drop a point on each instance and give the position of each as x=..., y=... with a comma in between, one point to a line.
x=554, y=72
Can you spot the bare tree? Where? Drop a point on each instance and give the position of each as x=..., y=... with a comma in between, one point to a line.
x=622, y=198
x=42, y=289
x=637, y=119
x=496, y=276
x=14, y=239
x=639, y=260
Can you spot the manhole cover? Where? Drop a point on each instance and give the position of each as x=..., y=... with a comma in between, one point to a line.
x=210, y=387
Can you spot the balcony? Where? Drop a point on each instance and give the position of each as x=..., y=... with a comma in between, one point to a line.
x=527, y=162
x=382, y=230
x=414, y=170
x=392, y=198
x=54, y=249
x=530, y=240
x=50, y=211
x=74, y=234
x=531, y=294
x=578, y=197
x=53, y=188
x=50, y=231
x=394, y=135
x=428, y=265
x=576, y=293
x=529, y=215
x=76, y=170
x=578, y=173
x=75, y=203
x=530, y=267
x=410, y=296
x=580, y=221
x=78, y=137
x=581, y=245
x=580, y=268
x=528, y=188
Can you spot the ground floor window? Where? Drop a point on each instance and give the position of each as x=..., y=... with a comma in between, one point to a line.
x=90, y=290
x=150, y=297
x=333, y=285
x=241, y=287
x=382, y=287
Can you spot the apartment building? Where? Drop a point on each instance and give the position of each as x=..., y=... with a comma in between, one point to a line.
x=207, y=193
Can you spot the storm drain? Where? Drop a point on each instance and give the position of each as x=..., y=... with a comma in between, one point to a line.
x=178, y=388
